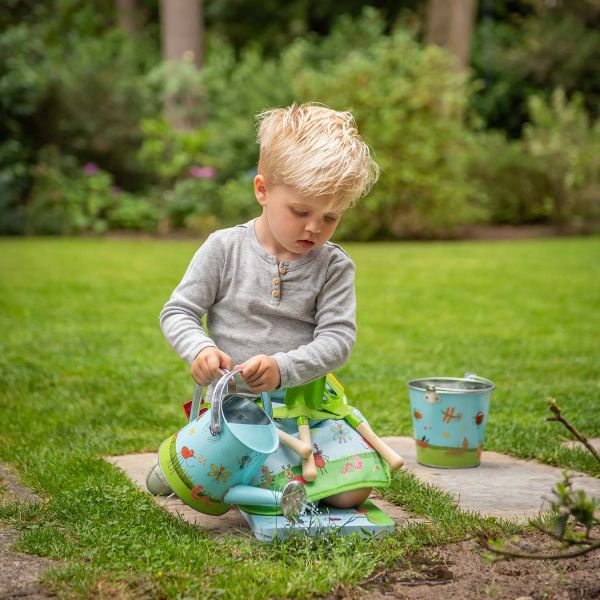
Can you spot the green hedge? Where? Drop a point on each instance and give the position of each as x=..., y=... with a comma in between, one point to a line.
x=440, y=168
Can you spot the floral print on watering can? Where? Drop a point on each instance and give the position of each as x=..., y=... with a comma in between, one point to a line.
x=222, y=448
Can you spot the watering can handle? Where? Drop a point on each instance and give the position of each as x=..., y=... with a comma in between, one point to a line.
x=197, y=397
x=217, y=401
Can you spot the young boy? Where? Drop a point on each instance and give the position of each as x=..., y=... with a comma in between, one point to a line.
x=278, y=296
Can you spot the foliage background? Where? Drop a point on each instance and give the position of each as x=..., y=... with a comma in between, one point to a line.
x=85, y=148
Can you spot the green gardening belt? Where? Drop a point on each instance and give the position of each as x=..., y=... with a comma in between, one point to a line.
x=323, y=398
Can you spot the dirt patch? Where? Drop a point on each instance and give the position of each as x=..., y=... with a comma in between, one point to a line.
x=460, y=571
x=19, y=573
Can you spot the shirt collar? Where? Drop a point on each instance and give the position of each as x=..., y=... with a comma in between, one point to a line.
x=289, y=264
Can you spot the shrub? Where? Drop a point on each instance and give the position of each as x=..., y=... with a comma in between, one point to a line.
x=132, y=213
x=170, y=154
x=22, y=89
x=551, y=175
x=237, y=202
x=65, y=199
x=409, y=103
x=513, y=185
x=556, y=45
x=179, y=85
x=237, y=90
x=15, y=177
x=202, y=204
x=561, y=138
x=191, y=197
x=98, y=95
x=69, y=199
x=240, y=87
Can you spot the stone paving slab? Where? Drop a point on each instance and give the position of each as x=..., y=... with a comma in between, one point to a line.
x=20, y=573
x=14, y=486
x=595, y=442
x=136, y=466
x=502, y=486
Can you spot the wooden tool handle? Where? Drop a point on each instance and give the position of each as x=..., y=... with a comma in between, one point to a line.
x=309, y=469
x=298, y=446
x=392, y=458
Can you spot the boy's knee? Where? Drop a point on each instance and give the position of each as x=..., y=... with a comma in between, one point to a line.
x=348, y=499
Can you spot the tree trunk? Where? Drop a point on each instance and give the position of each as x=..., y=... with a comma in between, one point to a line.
x=128, y=17
x=181, y=30
x=449, y=23
x=181, y=39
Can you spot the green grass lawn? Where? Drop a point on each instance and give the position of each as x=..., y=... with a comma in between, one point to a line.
x=86, y=373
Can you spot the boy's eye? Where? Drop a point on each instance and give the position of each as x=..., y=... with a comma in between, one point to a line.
x=330, y=218
x=299, y=213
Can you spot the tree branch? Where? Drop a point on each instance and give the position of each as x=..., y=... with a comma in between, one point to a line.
x=555, y=409
x=512, y=554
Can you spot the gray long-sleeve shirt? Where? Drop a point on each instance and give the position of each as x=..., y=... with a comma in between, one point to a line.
x=301, y=312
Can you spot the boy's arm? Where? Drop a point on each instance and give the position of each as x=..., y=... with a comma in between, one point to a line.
x=181, y=316
x=335, y=330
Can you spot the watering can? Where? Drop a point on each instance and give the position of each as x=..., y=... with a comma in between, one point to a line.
x=210, y=462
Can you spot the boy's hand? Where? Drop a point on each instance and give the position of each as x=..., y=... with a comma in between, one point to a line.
x=261, y=373
x=208, y=364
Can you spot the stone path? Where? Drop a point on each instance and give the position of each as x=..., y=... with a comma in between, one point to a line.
x=502, y=486
x=137, y=465
x=20, y=573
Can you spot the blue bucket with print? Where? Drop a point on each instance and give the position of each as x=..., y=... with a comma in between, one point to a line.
x=449, y=418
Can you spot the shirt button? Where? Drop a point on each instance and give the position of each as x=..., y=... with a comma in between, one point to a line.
x=276, y=281
x=275, y=293
x=282, y=270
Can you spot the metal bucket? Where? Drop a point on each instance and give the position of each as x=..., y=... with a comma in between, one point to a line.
x=222, y=448
x=449, y=419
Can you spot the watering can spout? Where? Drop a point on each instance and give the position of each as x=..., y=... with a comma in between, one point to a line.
x=292, y=500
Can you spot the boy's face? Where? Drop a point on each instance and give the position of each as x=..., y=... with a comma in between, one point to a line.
x=292, y=225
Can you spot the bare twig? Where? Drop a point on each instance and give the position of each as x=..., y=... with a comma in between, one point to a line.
x=586, y=541
x=512, y=554
x=568, y=508
x=555, y=409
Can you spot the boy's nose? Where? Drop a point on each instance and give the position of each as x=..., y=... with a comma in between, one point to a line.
x=313, y=226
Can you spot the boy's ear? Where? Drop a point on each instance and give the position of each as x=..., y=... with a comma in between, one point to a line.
x=260, y=190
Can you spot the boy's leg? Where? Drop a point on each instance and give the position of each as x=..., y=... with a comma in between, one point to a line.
x=348, y=499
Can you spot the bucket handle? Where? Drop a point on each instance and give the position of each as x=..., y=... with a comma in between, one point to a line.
x=474, y=377
x=217, y=401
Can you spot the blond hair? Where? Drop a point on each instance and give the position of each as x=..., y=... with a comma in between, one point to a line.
x=317, y=151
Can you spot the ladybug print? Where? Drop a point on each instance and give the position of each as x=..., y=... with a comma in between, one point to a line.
x=320, y=458
x=423, y=442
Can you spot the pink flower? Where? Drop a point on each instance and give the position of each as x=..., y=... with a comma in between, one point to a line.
x=90, y=168
x=202, y=172
x=115, y=190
